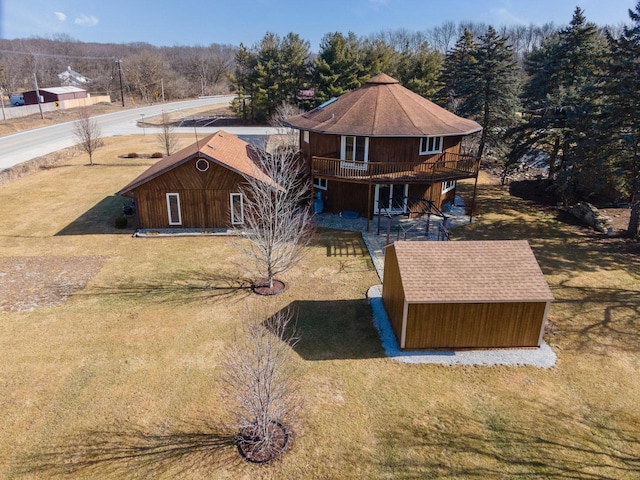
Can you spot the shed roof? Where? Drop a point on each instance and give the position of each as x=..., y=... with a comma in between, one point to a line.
x=62, y=90
x=383, y=108
x=221, y=147
x=470, y=272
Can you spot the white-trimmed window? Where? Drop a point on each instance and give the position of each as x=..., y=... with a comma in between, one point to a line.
x=305, y=136
x=448, y=186
x=173, y=209
x=237, y=209
x=320, y=183
x=429, y=145
x=354, y=149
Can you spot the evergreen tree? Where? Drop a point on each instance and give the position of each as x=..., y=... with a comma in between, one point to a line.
x=490, y=88
x=419, y=71
x=338, y=67
x=459, y=59
x=561, y=102
x=621, y=118
x=272, y=73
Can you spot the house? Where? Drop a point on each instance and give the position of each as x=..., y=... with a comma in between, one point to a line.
x=380, y=148
x=473, y=294
x=54, y=94
x=197, y=187
x=72, y=78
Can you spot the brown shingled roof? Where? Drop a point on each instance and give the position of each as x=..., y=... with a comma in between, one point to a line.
x=221, y=147
x=383, y=108
x=470, y=272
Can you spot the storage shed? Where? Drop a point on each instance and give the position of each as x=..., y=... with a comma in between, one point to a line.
x=456, y=295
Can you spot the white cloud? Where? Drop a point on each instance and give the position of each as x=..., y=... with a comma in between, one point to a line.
x=60, y=16
x=86, y=20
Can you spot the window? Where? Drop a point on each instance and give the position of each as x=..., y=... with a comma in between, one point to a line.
x=448, y=186
x=430, y=145
x=202, y=165
x=320, y=183
x=354, y=149
x=237, y=209
x=305, y=136
x=173, y=209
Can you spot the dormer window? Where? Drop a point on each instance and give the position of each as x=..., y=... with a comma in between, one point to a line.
x=429, y=145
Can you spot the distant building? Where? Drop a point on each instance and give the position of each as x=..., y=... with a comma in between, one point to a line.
x=72, y=78
x=55, y=94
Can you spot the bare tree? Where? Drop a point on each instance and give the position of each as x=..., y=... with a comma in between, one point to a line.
x=167, y=137
x=277, y=219
x=87, y=132
x=261, y=382
x=287, y=136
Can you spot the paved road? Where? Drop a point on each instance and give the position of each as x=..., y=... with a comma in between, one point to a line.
x=23, y=146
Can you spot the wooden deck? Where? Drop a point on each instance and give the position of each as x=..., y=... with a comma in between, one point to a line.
x=441, y=168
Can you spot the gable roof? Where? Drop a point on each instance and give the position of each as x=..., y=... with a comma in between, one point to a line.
x=222, y=148
x=470, y=272
x=383, y=108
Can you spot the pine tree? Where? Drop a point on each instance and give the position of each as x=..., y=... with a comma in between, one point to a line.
x=419, y=71
x=621, y=118
x=490, y=88
x=338, y=67
x=561, y=101
x=461, y=57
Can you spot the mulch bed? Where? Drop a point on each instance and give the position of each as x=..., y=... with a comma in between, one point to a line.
x=261, y=287
x=255, y=449
x=27, y=283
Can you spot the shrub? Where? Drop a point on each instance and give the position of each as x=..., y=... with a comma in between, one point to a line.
x=121, y=222
x=132, y=155
x=157, y=155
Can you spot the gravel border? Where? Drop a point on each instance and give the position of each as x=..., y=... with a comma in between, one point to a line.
x=542, y=357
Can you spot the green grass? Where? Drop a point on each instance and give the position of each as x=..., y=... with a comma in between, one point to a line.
x=122, y=380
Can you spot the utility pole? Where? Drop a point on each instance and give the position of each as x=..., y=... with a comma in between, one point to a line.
x=35, y=82
x=4, y=115
x=120, y=75
x=162, y=88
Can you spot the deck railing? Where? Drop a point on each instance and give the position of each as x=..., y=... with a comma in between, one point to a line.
x=439, y=168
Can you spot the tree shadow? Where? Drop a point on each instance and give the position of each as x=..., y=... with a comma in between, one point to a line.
x=181, y=288
x=99, y=219
x=117, y=452
x=546, y=443
x=335, y=330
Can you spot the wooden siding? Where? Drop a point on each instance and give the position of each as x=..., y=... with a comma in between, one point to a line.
x=204, y=197
x=474, y=325
x=392, y=292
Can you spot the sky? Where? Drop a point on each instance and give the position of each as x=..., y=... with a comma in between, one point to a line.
x=201, y=22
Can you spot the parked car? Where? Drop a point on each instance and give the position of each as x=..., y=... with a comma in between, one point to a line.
x=16, y=100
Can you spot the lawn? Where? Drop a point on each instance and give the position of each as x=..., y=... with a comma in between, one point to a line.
x=114, y=372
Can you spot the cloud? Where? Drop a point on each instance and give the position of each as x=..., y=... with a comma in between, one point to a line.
x=60, y=16
x=86, y=20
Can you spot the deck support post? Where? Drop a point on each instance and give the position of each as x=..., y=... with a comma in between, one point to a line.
x=369, y=203
x=475, y=189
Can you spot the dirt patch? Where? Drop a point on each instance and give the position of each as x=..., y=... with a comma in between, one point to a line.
x=27, y=283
